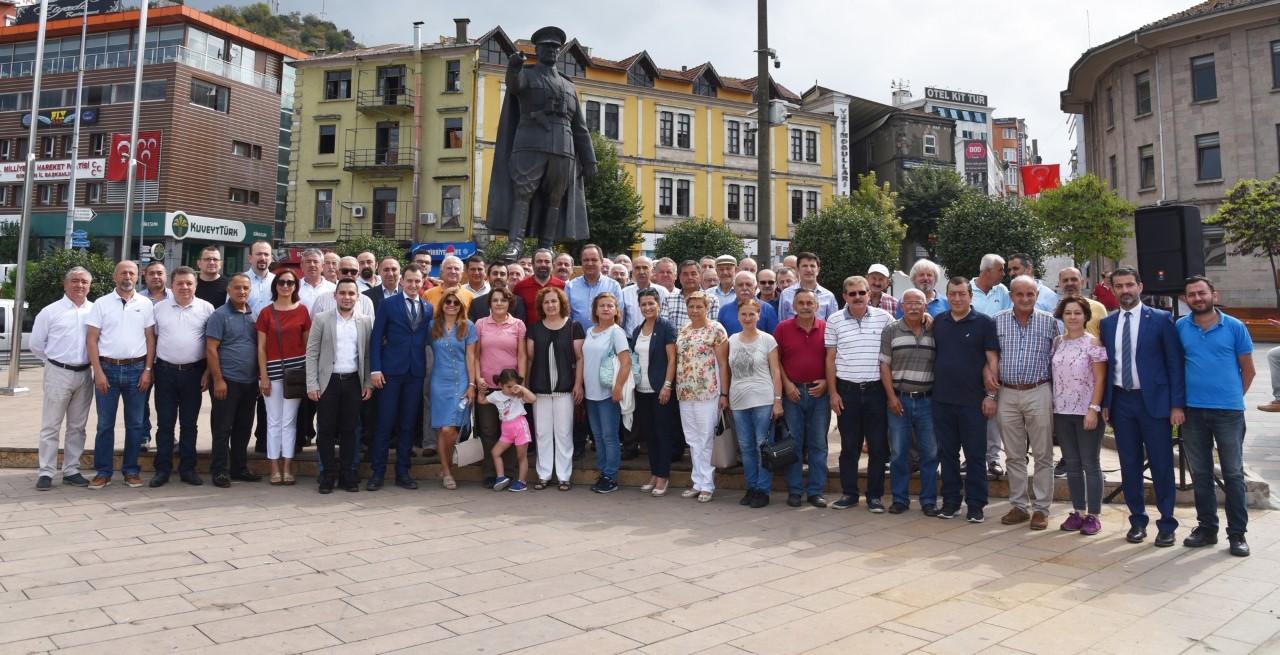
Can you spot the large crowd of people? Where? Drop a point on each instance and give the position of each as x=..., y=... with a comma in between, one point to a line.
x=360, y=357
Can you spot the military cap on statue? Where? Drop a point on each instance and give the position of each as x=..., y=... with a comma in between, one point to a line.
x=550, y=34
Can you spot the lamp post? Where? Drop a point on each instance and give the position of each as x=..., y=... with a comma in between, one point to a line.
x=764, y=165
x=133, y=135
x=142, y=219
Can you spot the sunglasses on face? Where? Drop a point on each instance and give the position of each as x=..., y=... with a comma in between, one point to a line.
x=452, y=303
x=349, y=271
x=860, y=292
x=285, y=283
x=767, y=283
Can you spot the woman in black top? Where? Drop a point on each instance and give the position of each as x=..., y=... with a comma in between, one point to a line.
x=555, y=376
x=656, y=415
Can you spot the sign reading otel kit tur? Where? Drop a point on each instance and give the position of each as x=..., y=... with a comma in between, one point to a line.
x=181, y=225
x=960, y=97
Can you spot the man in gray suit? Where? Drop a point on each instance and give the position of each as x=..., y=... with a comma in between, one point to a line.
x=338, y=381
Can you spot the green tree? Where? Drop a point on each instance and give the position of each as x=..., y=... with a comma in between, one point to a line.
x=9, y=233
x=613, y=206
x=45, y=276
x=698, y=237
x=1250, y=217
x=1086, y=219
x=978, y=224
x=380, y=246
x=307, y=33
x=926, y=193
x=851, y=234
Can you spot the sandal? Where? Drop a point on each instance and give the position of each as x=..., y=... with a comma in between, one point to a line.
x=659, y=492
x=449, y=482
x=276, y=480
x=689, y=493
x=704, y=497
x=542, y=484
x=565, y=486
x=288, y=479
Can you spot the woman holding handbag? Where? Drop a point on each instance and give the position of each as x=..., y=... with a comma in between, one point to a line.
x=755, y=396
x=702, y=349
x=499, y=346
x=283, y=329
x=453, y=343
x=554, y=345
x=606, y=365
x=656, y=415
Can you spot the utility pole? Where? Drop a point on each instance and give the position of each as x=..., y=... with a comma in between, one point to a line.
x=133, y=143
x=20, y=283
x=75, y=137
x=764, y=163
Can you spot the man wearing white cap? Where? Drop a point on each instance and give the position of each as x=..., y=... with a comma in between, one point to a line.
x=726, y=268
x=878, y=278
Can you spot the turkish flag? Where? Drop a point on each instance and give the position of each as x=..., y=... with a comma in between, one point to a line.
x=148, y=157
x=1038, y=178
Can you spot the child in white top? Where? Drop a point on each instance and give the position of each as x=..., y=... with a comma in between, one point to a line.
x=509, y=399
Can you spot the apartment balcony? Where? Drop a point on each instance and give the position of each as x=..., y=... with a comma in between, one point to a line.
x=158, y=55
x=392, y=219
x=379, y=159
x=395, y=99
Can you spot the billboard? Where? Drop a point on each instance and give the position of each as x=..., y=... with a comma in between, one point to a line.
x=60, y=9
x=975, y=156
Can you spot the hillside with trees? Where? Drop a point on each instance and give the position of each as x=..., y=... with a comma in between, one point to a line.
x=307, y=33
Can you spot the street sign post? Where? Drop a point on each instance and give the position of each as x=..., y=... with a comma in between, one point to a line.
x=83, y=214
x=79, y=243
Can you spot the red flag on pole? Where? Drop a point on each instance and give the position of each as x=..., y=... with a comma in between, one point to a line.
x=1038, y=178
x=148, y=157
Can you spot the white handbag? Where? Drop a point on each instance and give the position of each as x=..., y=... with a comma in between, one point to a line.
x=468, y=452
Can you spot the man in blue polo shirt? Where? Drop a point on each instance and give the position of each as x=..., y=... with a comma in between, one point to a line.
x=584, y=288
x=744, y=285
x=1219, y=371
x=968, y=356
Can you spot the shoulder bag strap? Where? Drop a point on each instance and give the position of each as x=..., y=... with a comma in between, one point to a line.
x=275, y=317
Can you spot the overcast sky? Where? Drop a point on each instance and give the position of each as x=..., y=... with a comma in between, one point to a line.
x=1017, y=53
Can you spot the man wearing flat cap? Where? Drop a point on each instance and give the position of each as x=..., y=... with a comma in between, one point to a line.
x=542, y=145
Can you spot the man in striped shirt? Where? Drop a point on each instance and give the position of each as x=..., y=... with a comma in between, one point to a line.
x=907, y=352
x=853, y=372
x=1025, y=404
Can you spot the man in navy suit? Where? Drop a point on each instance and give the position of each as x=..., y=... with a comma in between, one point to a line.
x=398, y=366
x=1145, y=396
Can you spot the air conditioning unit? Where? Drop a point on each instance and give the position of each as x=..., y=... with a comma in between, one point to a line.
x=427, y=218
x=357, y=211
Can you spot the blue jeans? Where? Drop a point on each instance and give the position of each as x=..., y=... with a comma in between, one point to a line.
x=122, y=383
x=1225, y=427
x=956, y=428
x=604, y=416
x=754, y=427
x=917, y=417
x=808, y=421
x=178, y=399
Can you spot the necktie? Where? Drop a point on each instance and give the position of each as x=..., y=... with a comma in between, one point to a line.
x=1126, y=356
x=413, y=313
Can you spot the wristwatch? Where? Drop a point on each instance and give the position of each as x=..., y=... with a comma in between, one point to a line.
x=991, y=396
x=1095, y=408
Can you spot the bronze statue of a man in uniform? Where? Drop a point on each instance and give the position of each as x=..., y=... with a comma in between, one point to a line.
x=541, y=147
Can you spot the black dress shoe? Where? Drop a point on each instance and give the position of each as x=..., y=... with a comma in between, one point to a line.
x=760, y=500
x=326, y=484
x=246, y=477
x=373, y=484
x=1136, y=535
x=818, y=501
x=1239, y=547
x=406, y=483
x=351, y=486
x=748, y=497
x=260, y=446
x=793, y=500
x=158, y=480
x=192, y=478
x=221, y=480
x=630, y=454
x=1164, y=538
x=1200, y=537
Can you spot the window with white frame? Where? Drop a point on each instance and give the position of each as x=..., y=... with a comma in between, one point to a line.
x=930, y=145
x=675, y=196
x=804, y=202
x=675, y=129
x=733, y=137
x=684, y=128
x=604, y=117
x=1010, y=154
x=749, y=141
x=1009, y=133
x=797, y=144
x=324, y=209
x=740, y=202
x=811, y=146
x=1011, y=177
x=93, y=193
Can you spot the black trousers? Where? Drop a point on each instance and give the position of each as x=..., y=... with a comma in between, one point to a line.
x=232, y=420
x=337, y=414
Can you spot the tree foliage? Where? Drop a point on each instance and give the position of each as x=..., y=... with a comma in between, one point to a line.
x=851, y=234
x=307, y=33
x=978, y=224
x=613, y=206
x=379, y=245
x=927, y=192
x=1250, y=218
x=698, y=237
x=1086, y=219
x=9, y=233
x=45, y=276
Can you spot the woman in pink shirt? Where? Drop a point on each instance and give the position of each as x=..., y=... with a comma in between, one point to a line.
x=499, y=336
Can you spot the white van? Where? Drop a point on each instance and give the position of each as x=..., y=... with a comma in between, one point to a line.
x=6, y=322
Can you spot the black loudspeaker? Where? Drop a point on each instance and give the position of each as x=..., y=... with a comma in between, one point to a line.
x=1170, y=247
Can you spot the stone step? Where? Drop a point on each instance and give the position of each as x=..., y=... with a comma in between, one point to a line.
x=635, y=472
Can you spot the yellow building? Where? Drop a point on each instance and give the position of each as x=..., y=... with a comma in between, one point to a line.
x=685, y=136
x=382, y=143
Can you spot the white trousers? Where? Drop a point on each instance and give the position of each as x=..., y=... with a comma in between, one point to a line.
x=553, y=426
x=282, y=417
x=67, y=395
x=699, y=420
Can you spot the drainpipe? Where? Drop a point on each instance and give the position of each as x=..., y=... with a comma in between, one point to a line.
x=1159, y=120
x=417, y=125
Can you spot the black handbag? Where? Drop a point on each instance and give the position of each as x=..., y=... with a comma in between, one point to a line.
x=295, y=379
x=780, y=454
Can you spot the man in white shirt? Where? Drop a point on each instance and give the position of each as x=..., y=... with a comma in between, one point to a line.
x=348, y=267
x=181, y=376
x=726, y=268
x=312, y=285
x=120, y=339
x=260, y=280
x=58, y=338
x=641, y=272
x=329, y=267
x=477, y=281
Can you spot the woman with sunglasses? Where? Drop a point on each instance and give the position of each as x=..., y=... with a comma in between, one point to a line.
x=656, y=416
x=453, y=342
x=499, y=346
x=283, y=328
x=555, y=376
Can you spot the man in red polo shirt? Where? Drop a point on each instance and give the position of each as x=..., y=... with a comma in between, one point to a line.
x=529, y=287
x=805, y=405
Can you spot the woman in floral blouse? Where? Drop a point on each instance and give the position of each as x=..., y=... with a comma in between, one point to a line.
x=1079, y=373
x=702, y=350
